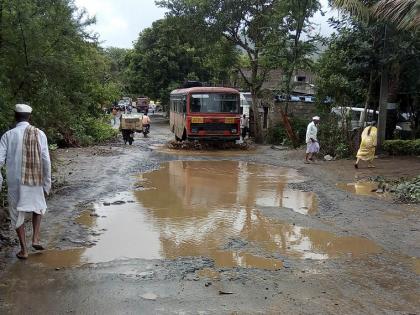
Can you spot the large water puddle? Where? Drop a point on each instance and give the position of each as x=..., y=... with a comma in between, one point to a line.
x=211, y=209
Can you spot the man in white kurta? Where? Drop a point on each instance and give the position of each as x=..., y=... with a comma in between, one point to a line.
x=312, y=145
x=22, y=198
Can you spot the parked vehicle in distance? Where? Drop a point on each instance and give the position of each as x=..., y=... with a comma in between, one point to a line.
x=122, y=105
x=309, y=99
x=246, y=103
x=295, y=98
x=205, y=113
x=356, y=116
x=142, y=104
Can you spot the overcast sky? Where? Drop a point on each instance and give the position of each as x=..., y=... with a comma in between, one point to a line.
x=119, y=23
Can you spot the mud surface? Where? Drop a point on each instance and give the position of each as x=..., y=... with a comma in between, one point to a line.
x=146, y=229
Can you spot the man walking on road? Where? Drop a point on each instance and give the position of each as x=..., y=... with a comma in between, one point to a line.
x=312, y=145
x=244, y=124
x=24, y=150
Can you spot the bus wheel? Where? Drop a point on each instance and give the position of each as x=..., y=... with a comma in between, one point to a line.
x=184, y=135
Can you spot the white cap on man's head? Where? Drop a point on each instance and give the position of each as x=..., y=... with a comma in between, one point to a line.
x=23, y=108
x=315, y=118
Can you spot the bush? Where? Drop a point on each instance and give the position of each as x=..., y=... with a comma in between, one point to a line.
x=90, y=130
x=3, y=192
x=408, y=191
x=333, y=139
x=402, y=147
x=278, y=135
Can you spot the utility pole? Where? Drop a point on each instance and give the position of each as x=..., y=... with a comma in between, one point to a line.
x=383, y=96
x=383, y=106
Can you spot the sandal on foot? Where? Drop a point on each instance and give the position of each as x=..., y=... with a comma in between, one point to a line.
x=38, y=247
x=20, y=256
x=356, y=166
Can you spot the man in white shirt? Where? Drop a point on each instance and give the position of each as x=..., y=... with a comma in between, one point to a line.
x=312, y=145
x=24, y=150
x=244, y=123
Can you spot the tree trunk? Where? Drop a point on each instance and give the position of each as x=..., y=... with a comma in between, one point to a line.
x=256, y=116
x=365, y=111
x=383, y=102
x=368, y=97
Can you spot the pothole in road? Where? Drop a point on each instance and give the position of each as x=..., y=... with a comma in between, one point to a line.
x=193, y=208
x=363, y=189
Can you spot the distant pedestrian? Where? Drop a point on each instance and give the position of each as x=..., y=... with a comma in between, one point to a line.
x=24, y=150
x=244, y=124
x=312, y=145
x=367, y=146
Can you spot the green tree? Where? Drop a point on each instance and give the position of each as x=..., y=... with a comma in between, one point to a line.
x=168, y=53
x=405, y=14
x=118, y=64
x=351, y=68
x=49, y=60
x=258, y=28
x=402, y=14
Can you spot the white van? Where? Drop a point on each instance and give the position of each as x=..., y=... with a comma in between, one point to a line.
x=356, y=115
x=246, y=102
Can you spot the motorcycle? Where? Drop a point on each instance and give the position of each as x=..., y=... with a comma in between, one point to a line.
x=129, y=124
x=128, y=136
x=146, y=130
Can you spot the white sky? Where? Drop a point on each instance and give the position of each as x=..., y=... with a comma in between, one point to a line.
x=119, y=22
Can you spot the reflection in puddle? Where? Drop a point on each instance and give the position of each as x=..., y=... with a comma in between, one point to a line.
x=60, y=258
x=86, y=218
x=361, y=188
x=194, y=208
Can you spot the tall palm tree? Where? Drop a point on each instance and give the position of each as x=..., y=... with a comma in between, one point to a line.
x=405, y=14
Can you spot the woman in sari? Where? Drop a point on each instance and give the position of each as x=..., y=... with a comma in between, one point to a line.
x=367, y=146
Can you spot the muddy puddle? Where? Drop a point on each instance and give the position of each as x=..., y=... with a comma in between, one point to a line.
x=211, y=209
x=86, y=218
x=211, y=153
x=362, y=189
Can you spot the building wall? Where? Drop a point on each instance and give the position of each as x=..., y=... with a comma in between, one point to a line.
x=300, y=110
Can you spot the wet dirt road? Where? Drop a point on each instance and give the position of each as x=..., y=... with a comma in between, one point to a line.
x=148, y=230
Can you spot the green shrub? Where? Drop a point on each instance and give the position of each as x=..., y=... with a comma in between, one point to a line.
x=3, y=192
x=278, y=135
x=409, y=191
x=333, y=139
x=90, y=130
x=402, y=147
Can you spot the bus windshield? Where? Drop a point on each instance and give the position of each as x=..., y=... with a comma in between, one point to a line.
x=214, y=103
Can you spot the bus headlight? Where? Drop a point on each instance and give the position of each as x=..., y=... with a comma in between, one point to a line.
x=234, y=131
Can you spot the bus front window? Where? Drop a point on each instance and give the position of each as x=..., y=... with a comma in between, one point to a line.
x=214, y=103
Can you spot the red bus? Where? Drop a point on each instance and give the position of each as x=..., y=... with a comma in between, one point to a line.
x=205, y=113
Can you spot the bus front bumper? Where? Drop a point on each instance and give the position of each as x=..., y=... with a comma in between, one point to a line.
x=214, y=137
